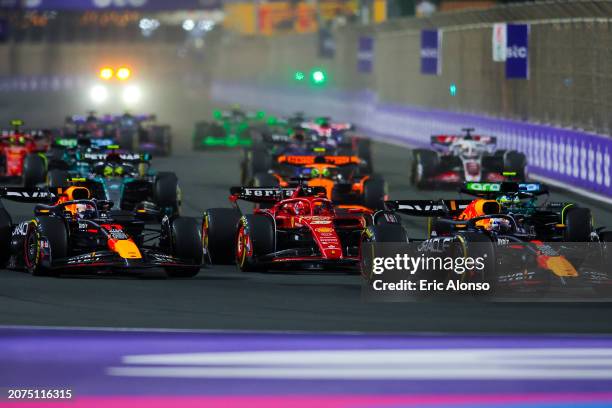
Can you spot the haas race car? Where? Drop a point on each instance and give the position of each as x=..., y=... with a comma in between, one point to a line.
x=302, y=228
x=72, y=233
x=455, y=159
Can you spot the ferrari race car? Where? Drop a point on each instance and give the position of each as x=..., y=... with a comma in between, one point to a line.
x=231, y=128
x=524, y=245
x=121, y=177
x=343, y=177
x=455, y=159
x=301, y=228
x=72, y=233
x=21, y=154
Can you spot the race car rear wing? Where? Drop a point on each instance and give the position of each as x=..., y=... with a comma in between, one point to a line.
x=93, y=157
x=489, y=190
x=447, y=140
x=28, y=195
x=427, y=208
x=307, y=160
x=273, y=194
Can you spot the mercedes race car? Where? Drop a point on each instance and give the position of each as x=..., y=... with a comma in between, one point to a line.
x=525, y=245
x=302, y=228
x=73, y=233
x=21, y=154
x=122, y=177
x=455, y=159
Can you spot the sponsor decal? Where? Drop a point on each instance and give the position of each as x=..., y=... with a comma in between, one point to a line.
x=365, y=54
x=431, y=58
x=437, y=245
x=517, y=51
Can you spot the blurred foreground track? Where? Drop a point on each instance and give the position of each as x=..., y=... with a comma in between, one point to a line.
x=122, y=368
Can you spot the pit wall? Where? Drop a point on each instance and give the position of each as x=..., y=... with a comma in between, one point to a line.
x=571, y=159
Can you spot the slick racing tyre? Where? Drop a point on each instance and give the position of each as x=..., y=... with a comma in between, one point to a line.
x=374, y=193
x=5, y=236
x=34, y=170
x=218, y=234
x=187, y=246
x=381, y=231
x=127, y=139
x=254, y=238
x=259, y=160
x=515, y=162
x=578, y=225
x=265, y=180
x=58, y=179
x=477, y=245
x=162, y=137
x=424, y=165
x=364, y=152
x=166, y=191
x=54, y=229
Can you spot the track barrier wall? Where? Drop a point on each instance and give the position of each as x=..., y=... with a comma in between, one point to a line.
x=560, y=116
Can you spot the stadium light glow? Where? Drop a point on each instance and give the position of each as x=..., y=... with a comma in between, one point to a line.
x=131, y=95
x=123, y=73
x=98, y=94
x=188, y=25
x=106, y=73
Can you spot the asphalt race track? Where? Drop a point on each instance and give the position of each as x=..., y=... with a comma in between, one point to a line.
x=225, y=299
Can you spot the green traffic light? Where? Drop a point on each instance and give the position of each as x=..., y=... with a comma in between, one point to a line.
x=318, y=76
x=452, y=89
x=299, y=76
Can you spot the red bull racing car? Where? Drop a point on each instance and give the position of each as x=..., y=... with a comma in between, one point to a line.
x=73, y=233
x=525, y=245
x=301, y=229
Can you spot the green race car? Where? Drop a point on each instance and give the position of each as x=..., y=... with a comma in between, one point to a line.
x=233, y=128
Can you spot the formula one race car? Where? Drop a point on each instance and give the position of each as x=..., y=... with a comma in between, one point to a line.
x=525, y=245
x=344, y=178
x=455, y=159
x=21, y=155
x=231, y=128
x=302, y=228
x=280, y=136
x=121, y=177
x=73, y=233
x=141, y=133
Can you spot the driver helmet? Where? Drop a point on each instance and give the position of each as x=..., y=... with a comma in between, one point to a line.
x=299, y=208
x=85, y=210
x=298, y=135
x=508, y=200
x=499, y=225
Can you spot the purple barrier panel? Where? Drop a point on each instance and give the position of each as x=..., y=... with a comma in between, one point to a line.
x=569, y=157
